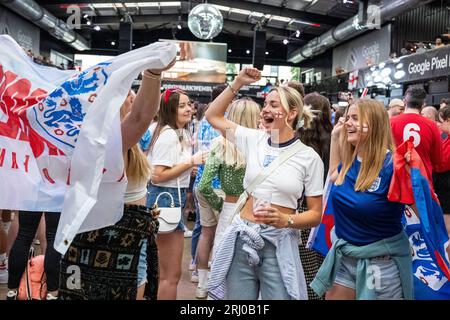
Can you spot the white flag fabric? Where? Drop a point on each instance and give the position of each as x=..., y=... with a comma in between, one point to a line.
x=60, y=137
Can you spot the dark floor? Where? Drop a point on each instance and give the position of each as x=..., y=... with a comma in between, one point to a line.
x=186, y=289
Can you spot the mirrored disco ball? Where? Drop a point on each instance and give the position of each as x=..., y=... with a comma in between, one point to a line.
x=205, y=21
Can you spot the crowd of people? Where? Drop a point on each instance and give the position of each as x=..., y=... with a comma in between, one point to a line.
x=255, y=176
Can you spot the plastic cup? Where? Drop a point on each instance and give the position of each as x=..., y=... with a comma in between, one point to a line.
x=261, y=198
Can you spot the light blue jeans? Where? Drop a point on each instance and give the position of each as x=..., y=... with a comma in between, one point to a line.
x=142, y=265
x=249, y=283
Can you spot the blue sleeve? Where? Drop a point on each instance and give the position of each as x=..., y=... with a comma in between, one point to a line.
x=145, y=141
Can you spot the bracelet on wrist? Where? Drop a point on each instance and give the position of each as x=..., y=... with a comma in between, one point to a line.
x=149, y=75
x=235, y=92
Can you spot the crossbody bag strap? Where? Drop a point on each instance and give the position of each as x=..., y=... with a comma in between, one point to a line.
x=27, y=273
x=179, y=192
x=282, y=158
x=178, y=179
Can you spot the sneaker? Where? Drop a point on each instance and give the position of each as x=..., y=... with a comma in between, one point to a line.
x=11, y=295
x=201, y=293
x=194, y=276
x=192, y=265
x=3, y=273
x=188, y=233
x=51, y=297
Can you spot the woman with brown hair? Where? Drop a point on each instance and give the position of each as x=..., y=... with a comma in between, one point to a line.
x=171, y=158
x=318, y=137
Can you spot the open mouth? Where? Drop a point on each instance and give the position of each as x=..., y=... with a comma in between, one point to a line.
x=268, y=119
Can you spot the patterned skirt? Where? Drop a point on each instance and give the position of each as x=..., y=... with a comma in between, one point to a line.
x=103, y=264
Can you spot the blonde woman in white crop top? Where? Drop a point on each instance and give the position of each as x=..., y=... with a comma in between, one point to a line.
x=281, y=117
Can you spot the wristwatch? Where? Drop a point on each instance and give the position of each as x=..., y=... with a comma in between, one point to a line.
x=290, y=221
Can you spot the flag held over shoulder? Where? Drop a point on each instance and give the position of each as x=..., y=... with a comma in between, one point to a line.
x=60, y=137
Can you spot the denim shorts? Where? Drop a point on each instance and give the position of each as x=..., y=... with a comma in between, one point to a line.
x=164, y=200
x=142, y=265
x=385, y=276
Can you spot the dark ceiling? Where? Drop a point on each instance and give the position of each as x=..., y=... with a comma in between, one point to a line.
x=153, y=20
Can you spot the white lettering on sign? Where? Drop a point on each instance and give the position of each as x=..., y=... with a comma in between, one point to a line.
x=436, y=63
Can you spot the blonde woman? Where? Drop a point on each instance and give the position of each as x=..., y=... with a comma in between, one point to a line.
x=371, y=258
x=108, y=258
x=227, y=163
x=258, y=255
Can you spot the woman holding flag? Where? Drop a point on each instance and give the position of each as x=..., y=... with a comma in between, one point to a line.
x=371, y=258
x=110, y=260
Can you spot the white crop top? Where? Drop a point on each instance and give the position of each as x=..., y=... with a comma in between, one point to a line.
x=302, y=172
x=135, y=191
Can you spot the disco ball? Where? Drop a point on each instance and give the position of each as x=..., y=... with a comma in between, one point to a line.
x=205, y=21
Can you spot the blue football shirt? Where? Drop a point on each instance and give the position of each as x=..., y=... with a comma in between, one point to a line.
x=362, y=218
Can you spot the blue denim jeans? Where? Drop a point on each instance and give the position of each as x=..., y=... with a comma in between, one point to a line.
x=164, y=200
x=247, y=283
x=197, y=228
x=142, y=265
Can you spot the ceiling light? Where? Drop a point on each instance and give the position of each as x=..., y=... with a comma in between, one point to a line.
x=267, y=52
x=297, y=33
x=97, y=28
x=179, y=26
x=89, y=22
x=85, y=16
x=247, y=51
x=113, y=43
x=285, y=41
x=229, y=50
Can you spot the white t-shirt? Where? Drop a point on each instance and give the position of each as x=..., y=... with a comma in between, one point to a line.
x=303, y=171
x=168, y=151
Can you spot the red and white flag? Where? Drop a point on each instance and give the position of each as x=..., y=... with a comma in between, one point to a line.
x=60, y=137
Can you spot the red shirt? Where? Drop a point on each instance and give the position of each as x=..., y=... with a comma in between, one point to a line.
x=425, y=135
x=445, y=163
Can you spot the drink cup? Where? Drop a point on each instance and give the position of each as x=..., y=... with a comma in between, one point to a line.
x=261, y=198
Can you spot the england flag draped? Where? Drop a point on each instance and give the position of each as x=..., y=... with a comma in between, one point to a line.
x=428, y=236
x=60, y=137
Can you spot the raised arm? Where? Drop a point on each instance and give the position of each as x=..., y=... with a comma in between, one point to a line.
x=211, y=170
x=144, y=107
x=335, y=150
x=216, y=111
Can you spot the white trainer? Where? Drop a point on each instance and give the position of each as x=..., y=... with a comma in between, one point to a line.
x=194, y=276
x=201, y=293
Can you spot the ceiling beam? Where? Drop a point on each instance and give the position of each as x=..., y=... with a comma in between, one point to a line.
x=229, y=24
x=238, y=4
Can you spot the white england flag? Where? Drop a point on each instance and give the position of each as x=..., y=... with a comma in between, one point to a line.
x=60, y=137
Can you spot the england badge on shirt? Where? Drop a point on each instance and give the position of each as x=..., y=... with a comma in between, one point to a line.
x=375, y=185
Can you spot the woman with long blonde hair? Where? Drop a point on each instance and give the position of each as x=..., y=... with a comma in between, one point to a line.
x=109, y=260
x=226, y=162
x=370, y=257
x=258, y=255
